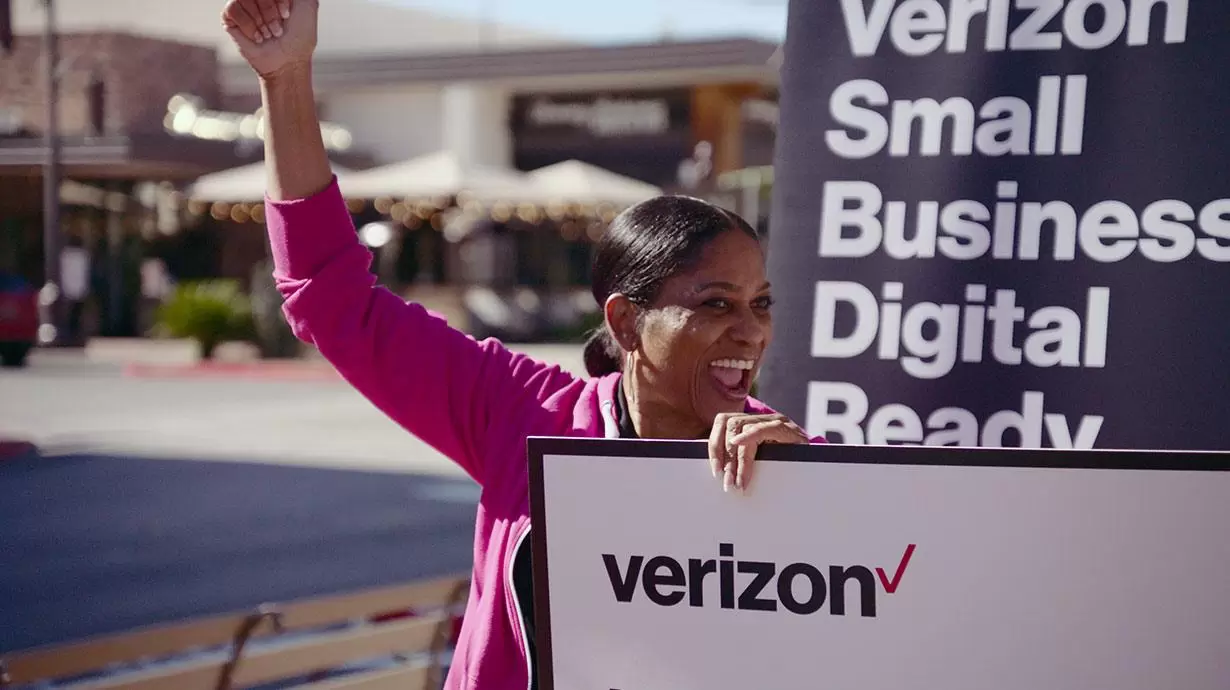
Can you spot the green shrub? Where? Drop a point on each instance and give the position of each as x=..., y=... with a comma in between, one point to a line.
x=273, y=335
x=209, y=312
x=579, y=331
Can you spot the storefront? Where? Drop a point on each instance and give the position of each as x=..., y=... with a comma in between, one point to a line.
x=674, y=115
x=641, y=134
x=128, y=143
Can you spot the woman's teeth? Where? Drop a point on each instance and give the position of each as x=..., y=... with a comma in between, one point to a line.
x=730, y=372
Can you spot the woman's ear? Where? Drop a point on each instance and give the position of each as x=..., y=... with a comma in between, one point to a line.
x=620, y=314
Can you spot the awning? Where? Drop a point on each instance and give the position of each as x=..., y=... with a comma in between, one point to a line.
x=440, y=174
x=247, y=183
x=578, y=182
x=122, y=157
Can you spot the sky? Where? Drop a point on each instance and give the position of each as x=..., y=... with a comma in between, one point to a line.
x=626, y=20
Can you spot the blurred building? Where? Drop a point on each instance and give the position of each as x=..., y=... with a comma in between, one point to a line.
x=153, y=97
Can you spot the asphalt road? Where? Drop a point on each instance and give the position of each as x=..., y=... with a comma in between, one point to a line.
x=97, y=543
x=156, y=499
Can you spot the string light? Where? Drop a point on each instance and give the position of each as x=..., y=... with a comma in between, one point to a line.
x=606, y=212
x=528, y=213
x=595, y=231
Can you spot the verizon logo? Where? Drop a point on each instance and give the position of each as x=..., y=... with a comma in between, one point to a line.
x=800, y=588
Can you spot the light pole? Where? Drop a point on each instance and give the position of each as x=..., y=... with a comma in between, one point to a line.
x=51, y=298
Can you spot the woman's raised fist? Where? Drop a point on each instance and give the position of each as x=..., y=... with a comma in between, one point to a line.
x=272, y=34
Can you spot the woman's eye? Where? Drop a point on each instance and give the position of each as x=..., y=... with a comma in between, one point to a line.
x=763, y=303
x=717, y=303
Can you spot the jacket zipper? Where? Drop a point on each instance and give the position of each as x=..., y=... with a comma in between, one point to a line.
x=519, y=629
x=610, y=429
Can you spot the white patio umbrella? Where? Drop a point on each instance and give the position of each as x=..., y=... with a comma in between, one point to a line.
x=575, y=181
x=245, y=183
x=439, y=174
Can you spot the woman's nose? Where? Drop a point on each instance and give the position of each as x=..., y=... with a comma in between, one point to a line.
x=748, y=328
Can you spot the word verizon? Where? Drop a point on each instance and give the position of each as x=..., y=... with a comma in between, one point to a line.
x=761, y=587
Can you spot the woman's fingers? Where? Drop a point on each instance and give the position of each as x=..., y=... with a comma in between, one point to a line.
x=744, y=444
x=237, y=18
x=751, y=436
x=779, y=429
x=741, y=468
x=735, y=439
x=271, y=18
x=717, y=444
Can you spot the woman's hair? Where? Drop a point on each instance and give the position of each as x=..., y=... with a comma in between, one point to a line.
x=643, y=247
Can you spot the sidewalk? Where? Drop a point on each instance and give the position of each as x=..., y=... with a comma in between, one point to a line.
x=283, y=370
x=150, y=358
x=153, y=358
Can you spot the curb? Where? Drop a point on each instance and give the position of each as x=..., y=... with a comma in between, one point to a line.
x=279, y=371
x=11, y=449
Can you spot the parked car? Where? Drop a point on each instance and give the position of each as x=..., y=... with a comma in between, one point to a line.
x=18, y=319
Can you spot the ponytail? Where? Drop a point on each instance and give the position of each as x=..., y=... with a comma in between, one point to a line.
x=599, y=360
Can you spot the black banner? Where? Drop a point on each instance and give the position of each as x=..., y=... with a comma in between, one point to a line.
x=1004, y=223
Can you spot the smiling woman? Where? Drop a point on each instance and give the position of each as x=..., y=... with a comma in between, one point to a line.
x=686, y=305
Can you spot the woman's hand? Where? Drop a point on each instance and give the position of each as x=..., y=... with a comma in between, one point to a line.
x=272, y=35
x=735, y=437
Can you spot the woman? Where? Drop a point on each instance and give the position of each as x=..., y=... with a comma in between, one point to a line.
x=686, y=303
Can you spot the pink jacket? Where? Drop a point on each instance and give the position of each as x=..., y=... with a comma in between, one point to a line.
x=475, y=402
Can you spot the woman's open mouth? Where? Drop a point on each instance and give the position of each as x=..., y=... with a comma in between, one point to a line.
x=732, y=377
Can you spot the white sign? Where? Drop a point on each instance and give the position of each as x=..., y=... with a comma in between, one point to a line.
x=880, y=568
x=75, y=273
x=605, y=117
x=11, y=121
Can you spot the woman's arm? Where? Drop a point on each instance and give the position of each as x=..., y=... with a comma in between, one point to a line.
x=296, y=163
x=437, y=382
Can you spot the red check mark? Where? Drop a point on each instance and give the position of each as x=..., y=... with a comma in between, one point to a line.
x=891, y=587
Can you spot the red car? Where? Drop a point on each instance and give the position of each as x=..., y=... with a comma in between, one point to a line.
x=18, y=319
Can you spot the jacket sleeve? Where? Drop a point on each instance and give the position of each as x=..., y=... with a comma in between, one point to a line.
x=435, y=381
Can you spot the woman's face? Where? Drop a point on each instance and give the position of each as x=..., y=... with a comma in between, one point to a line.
x=701, y=342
